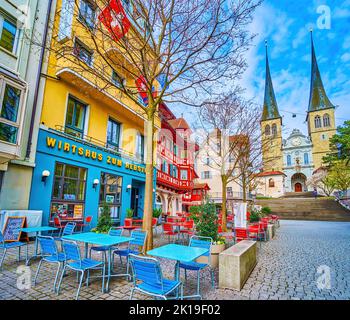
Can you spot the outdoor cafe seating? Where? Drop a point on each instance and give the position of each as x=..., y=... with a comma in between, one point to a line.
x=4, y=247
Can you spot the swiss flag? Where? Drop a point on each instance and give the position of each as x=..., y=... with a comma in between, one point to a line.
x=115, y=20
x=142, y=89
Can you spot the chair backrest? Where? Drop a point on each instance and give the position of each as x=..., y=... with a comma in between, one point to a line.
x=167, y=227
x=146, y=269
x=171, y=219
x=48, y=246
x=127, y=222
x=117, y=232
x=201, y=242
x=69, y=228
x=2, y=240
x=241, y=233
x=57, y=222
x=88, y=219
x=140, y=237
x=189, y=224
x=71, y=250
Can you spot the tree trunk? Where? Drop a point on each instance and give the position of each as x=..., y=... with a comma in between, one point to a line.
x=224, y=200
x=244, y=188
x=148, y=202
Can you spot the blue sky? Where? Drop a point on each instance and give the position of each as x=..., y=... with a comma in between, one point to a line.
x=286, y=24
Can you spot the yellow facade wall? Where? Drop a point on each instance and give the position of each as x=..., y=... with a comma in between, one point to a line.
x=272, y=146
x=320, y=136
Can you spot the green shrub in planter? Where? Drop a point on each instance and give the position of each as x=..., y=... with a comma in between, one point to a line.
x=129, y=213
x=104, y=220
x=255, y=216
x=157, y=213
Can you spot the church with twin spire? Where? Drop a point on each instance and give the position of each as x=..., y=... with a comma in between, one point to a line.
x=289, y=163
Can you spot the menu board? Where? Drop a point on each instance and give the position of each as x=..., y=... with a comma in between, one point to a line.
x=12, y=230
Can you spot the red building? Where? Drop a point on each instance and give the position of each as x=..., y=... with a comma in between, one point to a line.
x=196, y=196
x=175, y=162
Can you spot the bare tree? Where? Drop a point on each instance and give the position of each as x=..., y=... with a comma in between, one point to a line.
x=162, y=50
x=232, y=141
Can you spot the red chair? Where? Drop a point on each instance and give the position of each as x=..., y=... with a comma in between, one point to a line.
x=154, y=224
x=171, y=219
x=241, y=234
x=188, y=228
x=168, y=230
x=87, y=223
x=58, y=224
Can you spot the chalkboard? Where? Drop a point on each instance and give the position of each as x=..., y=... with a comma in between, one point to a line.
x=12, y=230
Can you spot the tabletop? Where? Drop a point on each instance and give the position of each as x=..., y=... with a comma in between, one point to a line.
x=97, y=238
x=37, y=229
x=178, y=252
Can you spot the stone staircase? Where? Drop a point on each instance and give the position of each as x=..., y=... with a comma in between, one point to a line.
x=299, y=208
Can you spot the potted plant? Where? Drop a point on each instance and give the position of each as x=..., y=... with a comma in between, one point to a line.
x=206, y=221
x=104, y=220
x=129, y=213
x=255, y=215
x=157, y=213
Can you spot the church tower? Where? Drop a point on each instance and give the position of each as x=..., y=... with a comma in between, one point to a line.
x=320, y=114
x=271, y=127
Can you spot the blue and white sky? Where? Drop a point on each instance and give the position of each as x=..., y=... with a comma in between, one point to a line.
x=286, y=25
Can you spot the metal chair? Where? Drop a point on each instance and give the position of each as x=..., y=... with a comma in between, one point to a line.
x=10, y=245
x=140, y=238
x=200, y=242
x=115, y=231
x=67, y=230
x=86, y=223
x=72, y=252
x=168, y=230
x=148, y=278
x=50, y=254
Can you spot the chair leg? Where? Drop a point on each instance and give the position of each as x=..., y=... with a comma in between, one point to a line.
x=198, y=284
x=59, y=284
x=87, y=277
x=57, y=273
x=19, y=254
x=2, y=258
x=37, y=271
x=80, y=284
x=131, y=294
x=103, y=277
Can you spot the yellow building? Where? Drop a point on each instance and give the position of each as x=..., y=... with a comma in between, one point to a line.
x=98, y=154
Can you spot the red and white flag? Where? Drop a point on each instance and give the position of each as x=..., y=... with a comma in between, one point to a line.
x=115, y=19
x=142, y=89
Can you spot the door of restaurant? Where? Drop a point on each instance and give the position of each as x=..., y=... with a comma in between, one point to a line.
x=298, y=187
x=135, y=195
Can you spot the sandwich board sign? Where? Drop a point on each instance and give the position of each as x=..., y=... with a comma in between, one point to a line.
x=240, y=214
x=12, y=230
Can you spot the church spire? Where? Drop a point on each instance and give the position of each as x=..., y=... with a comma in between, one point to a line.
x=318, y=97
x=270, y=110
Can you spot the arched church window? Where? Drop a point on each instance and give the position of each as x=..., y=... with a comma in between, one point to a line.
x=289, y=160
x=271, y=183
x=318, y=123
x=274, y=130
x=267, y=130
x=326, y=120
x=306, y=158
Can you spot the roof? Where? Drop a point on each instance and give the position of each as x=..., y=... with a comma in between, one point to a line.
x=270, y=173
x=318, y=98
x=270, y=109
x=179, y=123
x=201, y=186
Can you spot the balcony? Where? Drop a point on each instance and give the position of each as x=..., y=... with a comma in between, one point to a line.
x=166, y=179
x=93, y=142
x=217, y=196
x=171, y=157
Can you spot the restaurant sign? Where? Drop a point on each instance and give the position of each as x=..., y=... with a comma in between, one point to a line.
x=88, y=153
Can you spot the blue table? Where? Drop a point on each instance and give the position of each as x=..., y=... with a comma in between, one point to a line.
x=36, y=230
x=179, y=254
x=100, y=240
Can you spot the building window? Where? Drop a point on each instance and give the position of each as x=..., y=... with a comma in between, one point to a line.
x=75, y=117
x=174, y=172
x=140, y=147
x=82, y=52
x=289, y=160
x=267, y=130
x=326, y=120
x=184, y=154
x=318, y=123
x=207, y=161
x=113, y=134
x=306, y=158
x=8, y=34
x=206, y=175
x=10, y=106
x=184, y=175
x=111, y=193
x=68, y=196
x=324, y=137
x=274, y=130
x=165, y=167
x=117, y=79
x=87, y=13
x=271, y=183
x=229, y=191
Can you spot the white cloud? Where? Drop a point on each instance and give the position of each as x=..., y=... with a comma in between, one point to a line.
x=345, y=57
x=339, y=13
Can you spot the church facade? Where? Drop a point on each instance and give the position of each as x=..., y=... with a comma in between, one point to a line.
x=289, y=163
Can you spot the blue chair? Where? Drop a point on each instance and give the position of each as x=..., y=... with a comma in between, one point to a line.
x=72, y=252
x=50, y=254
x=133, y=247
x=117, y=232
x=4, y=246
x=200, y=242
x=67, y=230
x=148, y=278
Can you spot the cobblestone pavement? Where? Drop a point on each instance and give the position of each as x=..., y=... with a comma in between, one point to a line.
x=287, y=268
